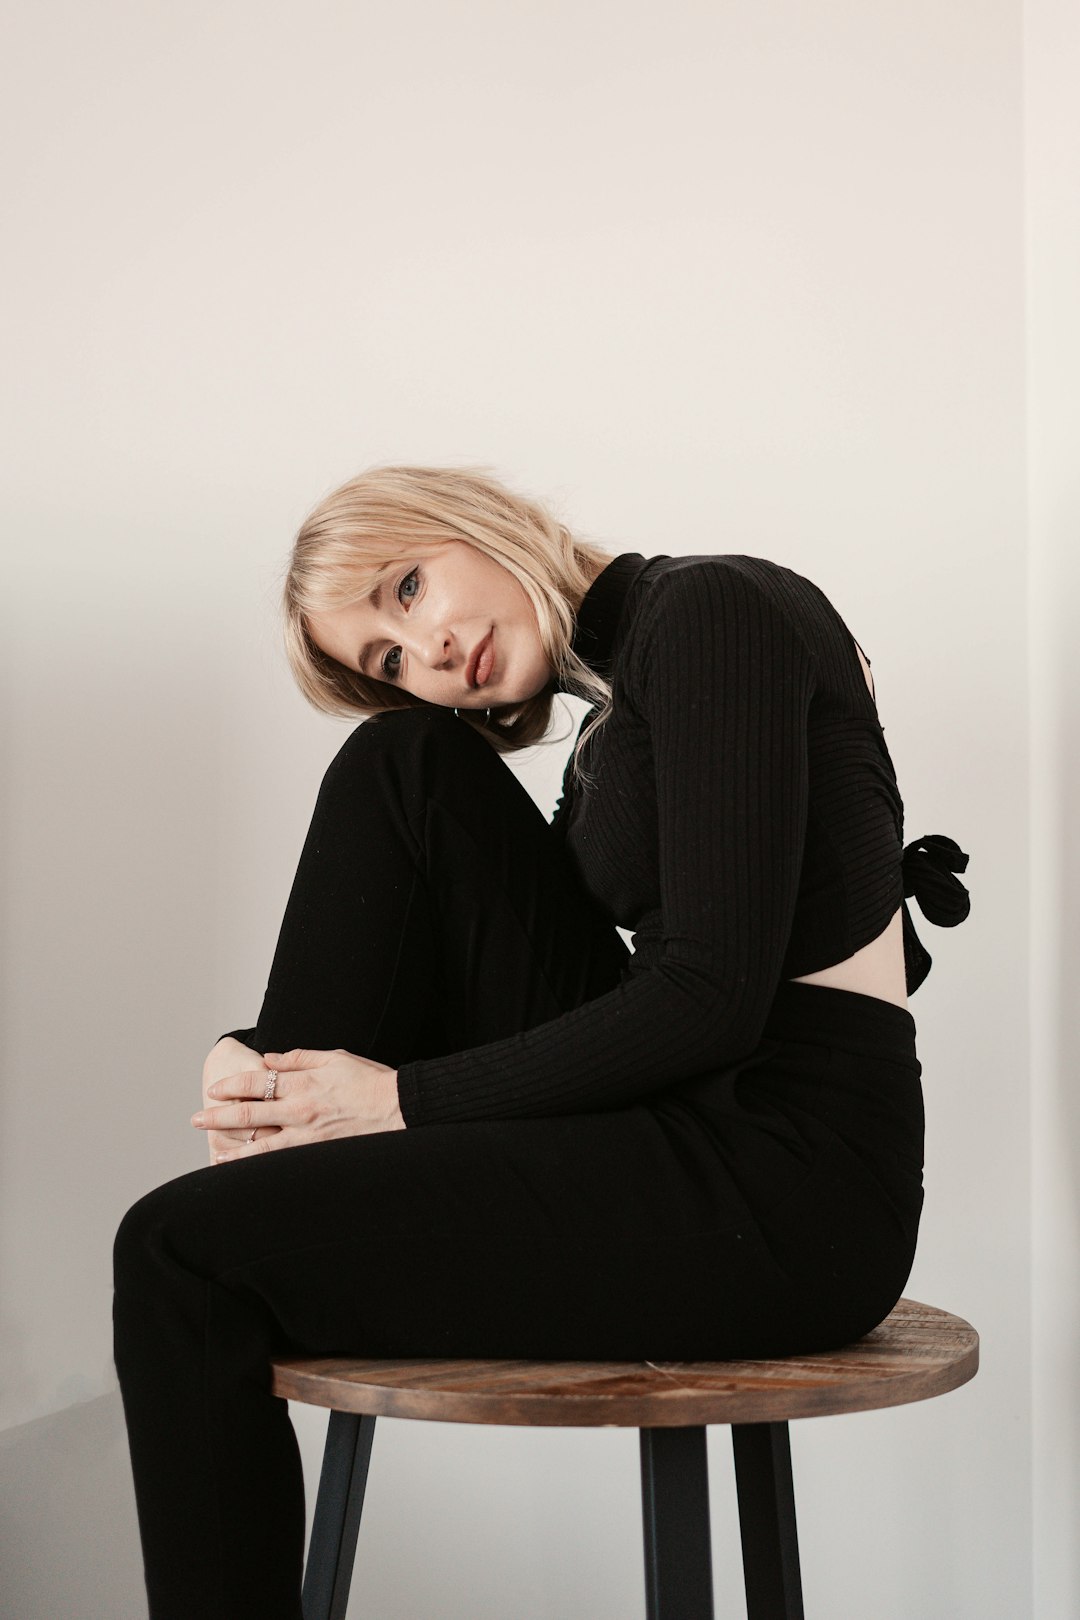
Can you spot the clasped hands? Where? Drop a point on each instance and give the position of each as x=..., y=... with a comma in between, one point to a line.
x=318, y=1096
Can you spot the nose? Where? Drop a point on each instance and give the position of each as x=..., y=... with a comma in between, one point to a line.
x=432, y=647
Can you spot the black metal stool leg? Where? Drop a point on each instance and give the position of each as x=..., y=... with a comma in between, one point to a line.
x=338, y=1506
x=675, y=1508
x=767, y=1521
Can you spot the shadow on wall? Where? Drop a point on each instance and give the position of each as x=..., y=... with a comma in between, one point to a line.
x=68, y=1532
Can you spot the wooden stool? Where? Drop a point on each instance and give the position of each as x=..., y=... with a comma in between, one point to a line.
x=917, y=1352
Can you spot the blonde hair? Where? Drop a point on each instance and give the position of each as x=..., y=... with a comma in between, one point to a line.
x=356, y=537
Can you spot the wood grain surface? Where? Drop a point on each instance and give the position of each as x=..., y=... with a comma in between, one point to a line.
x=916, y=1353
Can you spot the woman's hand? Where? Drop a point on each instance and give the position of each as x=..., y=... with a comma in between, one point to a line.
x=225, y=1060
x=318, y=1096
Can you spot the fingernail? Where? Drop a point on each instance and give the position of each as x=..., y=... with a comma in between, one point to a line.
x=221, y=1158
x=212, y=1091
x=198, y=1119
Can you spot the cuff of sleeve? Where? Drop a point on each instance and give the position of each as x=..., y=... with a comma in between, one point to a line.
x=246, y=1037
x=409, y=1102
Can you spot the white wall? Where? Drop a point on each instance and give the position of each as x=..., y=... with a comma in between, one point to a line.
x=748, y=278
x=1052, y=123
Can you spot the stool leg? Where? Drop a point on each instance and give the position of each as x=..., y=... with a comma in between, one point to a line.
x=767, y=1520
x=336, y=1524
x=675, y=1509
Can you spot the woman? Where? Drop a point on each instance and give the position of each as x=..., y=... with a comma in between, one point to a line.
x=470, y=1122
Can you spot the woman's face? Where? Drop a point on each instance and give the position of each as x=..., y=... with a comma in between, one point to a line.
x=451, y=626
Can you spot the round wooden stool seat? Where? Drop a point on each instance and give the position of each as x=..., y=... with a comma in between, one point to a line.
x=916, y=1353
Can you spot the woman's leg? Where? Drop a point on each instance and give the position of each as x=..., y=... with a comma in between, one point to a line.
x=700, y=1226
x=431, y=911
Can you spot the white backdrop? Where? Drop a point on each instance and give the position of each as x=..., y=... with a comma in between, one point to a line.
x=762, y=278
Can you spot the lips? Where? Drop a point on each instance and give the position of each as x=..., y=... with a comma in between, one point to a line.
x=478, y=669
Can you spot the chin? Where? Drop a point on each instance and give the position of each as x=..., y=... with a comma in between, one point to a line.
x=532, y=690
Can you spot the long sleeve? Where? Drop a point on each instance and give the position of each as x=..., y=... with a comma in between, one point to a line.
x=246, y=1037
x=720, y=680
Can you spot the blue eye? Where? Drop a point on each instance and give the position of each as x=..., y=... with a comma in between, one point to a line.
x=390, y=670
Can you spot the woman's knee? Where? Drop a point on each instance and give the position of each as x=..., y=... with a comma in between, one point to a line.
x=152, y=1230
x=392, y=730
x=138, y=1234
x=399, y=746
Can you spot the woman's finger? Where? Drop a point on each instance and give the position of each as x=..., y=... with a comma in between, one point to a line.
x=270, y=1143
x=241, y=1116
x=252, y=1083
x=254, y=1077
x=299, y=1058
x=221, y=1139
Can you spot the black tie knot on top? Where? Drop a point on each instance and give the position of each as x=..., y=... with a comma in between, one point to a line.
x=929, y=864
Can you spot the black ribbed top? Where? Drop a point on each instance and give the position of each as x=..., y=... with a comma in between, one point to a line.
x=744, y=823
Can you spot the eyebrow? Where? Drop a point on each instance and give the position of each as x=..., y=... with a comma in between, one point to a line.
x=375, y=598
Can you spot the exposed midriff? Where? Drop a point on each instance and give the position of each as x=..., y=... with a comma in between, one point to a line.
x=876, y=970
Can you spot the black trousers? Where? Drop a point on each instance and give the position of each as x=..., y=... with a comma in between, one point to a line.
x=768, y=1208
